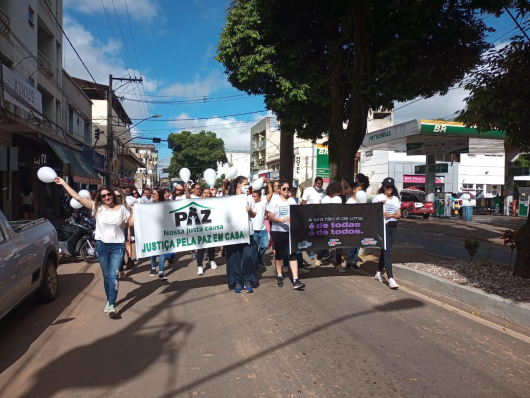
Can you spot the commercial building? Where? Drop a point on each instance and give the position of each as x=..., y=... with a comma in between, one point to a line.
x=146, y=173
x=45, y=117
x=460, y=159
x=125, y=162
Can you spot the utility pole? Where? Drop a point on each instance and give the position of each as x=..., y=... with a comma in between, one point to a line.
x=110, y=133
x=306, y=166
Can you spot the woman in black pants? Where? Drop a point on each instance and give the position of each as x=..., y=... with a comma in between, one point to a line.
x=389, y=196
x=279, y=215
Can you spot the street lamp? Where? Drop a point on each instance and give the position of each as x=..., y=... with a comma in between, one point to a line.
x=126, y=142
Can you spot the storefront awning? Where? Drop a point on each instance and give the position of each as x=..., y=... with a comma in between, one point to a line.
x=83, y=172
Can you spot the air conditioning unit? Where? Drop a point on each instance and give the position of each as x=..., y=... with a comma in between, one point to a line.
x=261, y=162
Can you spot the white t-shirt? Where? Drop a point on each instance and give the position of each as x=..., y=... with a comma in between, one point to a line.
x=180, y=197
x=391, y=205
x=281, y=210
x=351, y=200
x=194, y=196
x=145, y=199
x=110, y=224
x=258, y=222
x=312, y=196
x=327, y=199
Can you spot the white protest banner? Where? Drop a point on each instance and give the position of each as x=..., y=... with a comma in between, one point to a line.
x=190, y=224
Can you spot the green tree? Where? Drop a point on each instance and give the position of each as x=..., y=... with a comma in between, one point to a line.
x=499, y=98
x=320, y=64
x=196, y=152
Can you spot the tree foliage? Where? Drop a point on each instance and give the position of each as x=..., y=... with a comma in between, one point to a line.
x=196, y=152
x=321, y=64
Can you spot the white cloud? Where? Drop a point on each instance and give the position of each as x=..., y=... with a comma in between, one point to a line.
x=432, y=108
x=235, y=133
x=215, y=81
x=138, y=9
x=101, y=59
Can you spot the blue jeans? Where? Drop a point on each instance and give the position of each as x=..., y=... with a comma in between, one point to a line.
x=353, y=255
x=262, y=242
x=110, y=256
x=161, y=261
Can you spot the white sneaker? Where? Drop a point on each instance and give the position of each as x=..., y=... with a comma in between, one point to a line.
x=200, y=271
x=285, y=270
x=379, y=277
x=392, y=283
x=213, y=265
x=303, y=271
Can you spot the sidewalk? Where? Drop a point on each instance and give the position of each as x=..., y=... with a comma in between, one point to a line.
x=487, y=228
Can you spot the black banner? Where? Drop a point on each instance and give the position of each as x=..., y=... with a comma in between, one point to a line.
x=327, y=226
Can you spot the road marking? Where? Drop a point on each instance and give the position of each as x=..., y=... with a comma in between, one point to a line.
x=449, y=307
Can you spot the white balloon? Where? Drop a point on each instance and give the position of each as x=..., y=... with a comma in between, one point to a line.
x=210, y=176
x=46, y=174
x=361, y=197
x=130, y=200
x=231, y=173
x=84, y=193
x=258, y=184
x=175, y=184
x=185, y=174
x=75, y=204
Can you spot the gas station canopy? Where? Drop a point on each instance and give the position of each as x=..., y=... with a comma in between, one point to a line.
x=432, y=137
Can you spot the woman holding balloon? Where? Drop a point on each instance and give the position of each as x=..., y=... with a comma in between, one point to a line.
x=111, y=218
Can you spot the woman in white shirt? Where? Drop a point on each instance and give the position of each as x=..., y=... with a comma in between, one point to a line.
x=111, y=219
x=279, y=215
x=389, y=196
x=333, y=192
x=353, y=253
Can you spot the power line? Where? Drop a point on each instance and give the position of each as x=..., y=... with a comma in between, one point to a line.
x=123, y=37
x=115, y=39
x=205, y=118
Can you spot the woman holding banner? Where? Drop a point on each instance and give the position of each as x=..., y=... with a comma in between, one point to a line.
x=389, y=196
x=333, y=192
x=111, y=219
x=279, y=211
x=353, y=253
x=210, y=252
x=240, y=269
x=158, y=196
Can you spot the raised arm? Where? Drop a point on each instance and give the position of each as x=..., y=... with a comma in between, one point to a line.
x=187, y=191
x=269, y=189
x=85, y=202
x=346, y=189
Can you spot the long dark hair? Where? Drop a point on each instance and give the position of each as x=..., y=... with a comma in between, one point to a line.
x=98, y=202
x=395, y=192
x=26, y=190
x=235, y=183
x=365, y=181
x=160, y=193
x=334, y=188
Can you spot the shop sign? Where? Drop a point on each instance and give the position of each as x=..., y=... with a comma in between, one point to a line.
x=323, y=162
x=440, y=146
x=420, y=179
x=264, y=175
x=20, y=93
x=434, y=127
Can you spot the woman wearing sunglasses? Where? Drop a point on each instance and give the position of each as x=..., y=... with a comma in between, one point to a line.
x=389, y=196
x=279, y=214
x=111, y=219
x=136, y=195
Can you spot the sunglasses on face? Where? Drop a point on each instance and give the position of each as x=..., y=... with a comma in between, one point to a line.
x=285, y=189
x=103, y=196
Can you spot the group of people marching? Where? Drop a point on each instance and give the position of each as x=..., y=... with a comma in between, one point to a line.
x=115, y=230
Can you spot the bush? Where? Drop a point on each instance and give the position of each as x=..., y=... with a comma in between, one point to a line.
x=471, y=245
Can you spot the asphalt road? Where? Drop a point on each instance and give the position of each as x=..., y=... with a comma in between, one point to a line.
x=450, y=246
x=346, y=335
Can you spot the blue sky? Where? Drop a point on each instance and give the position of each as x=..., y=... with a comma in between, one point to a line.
x=175, y=44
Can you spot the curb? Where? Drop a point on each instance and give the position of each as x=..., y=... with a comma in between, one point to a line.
x=490, y=303
x=396, y=250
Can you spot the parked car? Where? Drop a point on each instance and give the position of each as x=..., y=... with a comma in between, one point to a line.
x=28, y=262
x=412, y=204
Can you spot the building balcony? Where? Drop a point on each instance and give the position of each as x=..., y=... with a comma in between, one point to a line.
x=4, y=24
x=44, y=64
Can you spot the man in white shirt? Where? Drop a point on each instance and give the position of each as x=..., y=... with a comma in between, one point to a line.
x=195, y=192
x=146, y=196
x=315, y=194
x=261, y=235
